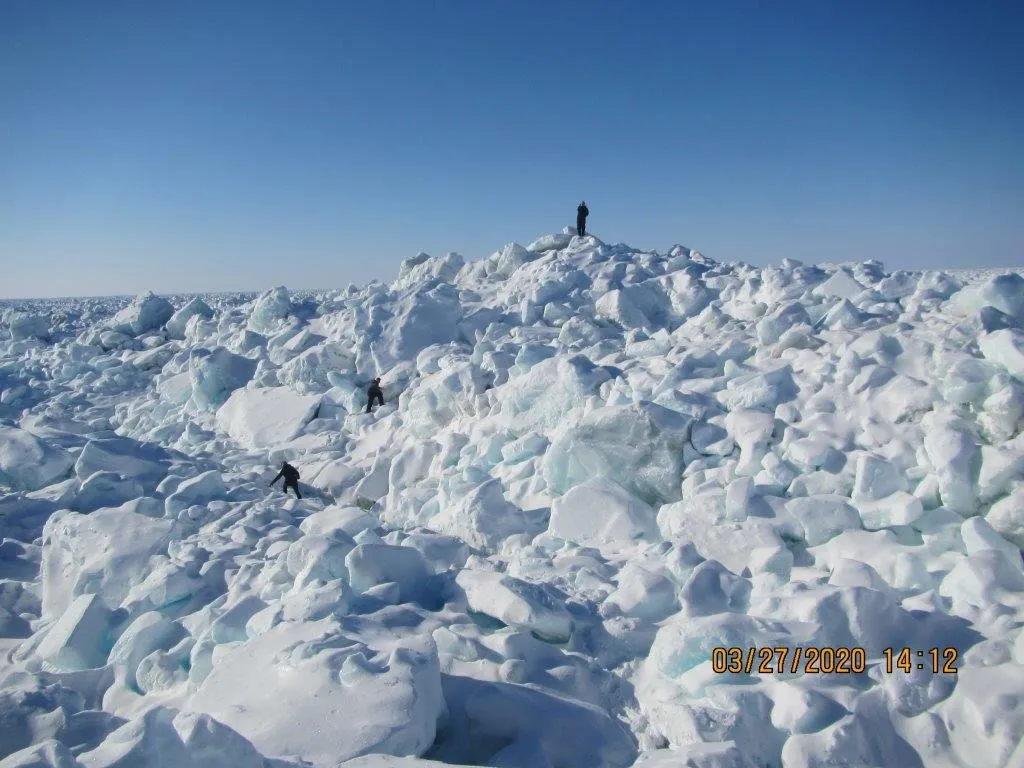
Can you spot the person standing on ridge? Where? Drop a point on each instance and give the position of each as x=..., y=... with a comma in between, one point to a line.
x=374, y=393
x=291, y=478
x=581, y=218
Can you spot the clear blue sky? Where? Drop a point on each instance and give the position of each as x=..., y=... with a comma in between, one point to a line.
x=189, y=145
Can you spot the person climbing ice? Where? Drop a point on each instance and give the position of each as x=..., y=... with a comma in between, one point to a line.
x=291, y=478
x=374, y=393
x=581, y=218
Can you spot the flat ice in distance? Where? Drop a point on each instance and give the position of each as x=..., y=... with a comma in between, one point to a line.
x=595, y=466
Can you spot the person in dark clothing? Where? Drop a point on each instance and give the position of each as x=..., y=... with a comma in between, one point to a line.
x=374, y=393
x=291, y=478
x=581, y=218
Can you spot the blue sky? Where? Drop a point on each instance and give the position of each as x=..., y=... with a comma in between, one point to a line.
x=185, y=145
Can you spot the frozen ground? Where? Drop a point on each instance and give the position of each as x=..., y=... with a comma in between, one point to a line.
x=594, y=467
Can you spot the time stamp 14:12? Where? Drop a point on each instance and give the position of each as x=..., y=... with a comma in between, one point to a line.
x=829, y=660
x=935, y=660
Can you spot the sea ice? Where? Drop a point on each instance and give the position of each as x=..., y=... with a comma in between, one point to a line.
x=596, y=465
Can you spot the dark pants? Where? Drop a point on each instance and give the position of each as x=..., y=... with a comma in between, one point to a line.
x=374, y=397
x=294, y=485
x=581, y=227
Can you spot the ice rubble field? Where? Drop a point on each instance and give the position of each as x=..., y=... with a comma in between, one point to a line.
x=595, y=466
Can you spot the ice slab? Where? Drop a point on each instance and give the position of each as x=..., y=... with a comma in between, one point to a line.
x=270, y=310
x=30, y=463
x=600, y=513
x=1005, y=348
x=638, y=446
x=266, y=417
x=27, y=326
x=1003, y=292
x=430, y=314
x=148, y=633
x=196, y=490
x=483, y=517
x=79, y=638
x=179, y=320
x=955, y=455
x=876, y=478
x=530, y=607
x=215, y=374
x=145, y=313
x=372, y=564
x=720, y=754
x=103, y=553
x=349, y=520
x=146, y=463
x=540, y=398
x=823, y=517
x=1006, y=517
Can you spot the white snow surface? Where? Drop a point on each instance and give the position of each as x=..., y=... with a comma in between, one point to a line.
x=595, y=466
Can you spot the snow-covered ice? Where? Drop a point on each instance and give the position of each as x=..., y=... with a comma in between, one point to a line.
x=595, y=467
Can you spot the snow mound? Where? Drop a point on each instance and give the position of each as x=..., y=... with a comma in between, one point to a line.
x=163, y=736
x=518, y=725
x=46, y=754
x=390, y=697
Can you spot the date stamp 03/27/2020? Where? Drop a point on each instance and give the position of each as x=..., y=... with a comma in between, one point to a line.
x=828, y=660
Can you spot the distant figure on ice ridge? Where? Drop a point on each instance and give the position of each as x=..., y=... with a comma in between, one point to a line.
x=581, y=218
x=291, y=478
x=374, y=393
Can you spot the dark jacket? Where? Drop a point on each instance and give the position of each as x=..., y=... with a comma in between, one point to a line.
x=288, y=472
x=582, y=212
